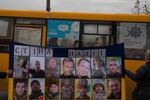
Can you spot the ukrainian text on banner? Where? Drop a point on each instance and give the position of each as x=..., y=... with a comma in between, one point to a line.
x=66, y=73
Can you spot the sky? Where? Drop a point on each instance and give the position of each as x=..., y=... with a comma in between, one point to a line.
x=87, y=6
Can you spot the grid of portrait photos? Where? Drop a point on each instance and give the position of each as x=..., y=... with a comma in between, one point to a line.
x=66, y=74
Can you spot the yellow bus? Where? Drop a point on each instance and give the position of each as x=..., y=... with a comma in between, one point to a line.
x=14, y=22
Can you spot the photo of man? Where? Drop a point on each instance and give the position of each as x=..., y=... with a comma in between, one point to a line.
x=67, y=89
x=98, y=68
x=20, y=89
x=37, y=67
x=83, y=68
x=113, y=67
x=99, y=92
x=67, y=68
x=52, y=89
x=114, y=89
x=21, y=65
x=83, y=86
x=36, y=89
x=52, y=67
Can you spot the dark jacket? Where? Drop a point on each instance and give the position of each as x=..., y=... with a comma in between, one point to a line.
x=35, y=95
x=69, y=76
x=35, y=74
x=114, y=97
x=98, y=74
x=114, y=75
x=142, y=77
x=51, y=96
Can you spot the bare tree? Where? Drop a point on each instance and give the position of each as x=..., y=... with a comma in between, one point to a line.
x=146, y=8
x=141, y=8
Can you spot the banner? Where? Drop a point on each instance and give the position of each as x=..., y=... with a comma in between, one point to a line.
x=42, y=73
